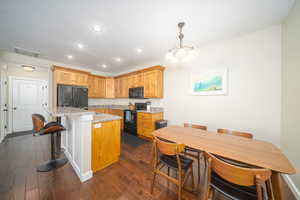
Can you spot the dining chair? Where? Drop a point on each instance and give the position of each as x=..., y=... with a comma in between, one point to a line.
x=223, y=131
x=195, y=126
x=168, y=154
x=236, y=182
x=194, y=153
x=242, y=134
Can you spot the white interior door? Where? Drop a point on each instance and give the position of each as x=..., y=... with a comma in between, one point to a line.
x=3, y=105
x=28, y=97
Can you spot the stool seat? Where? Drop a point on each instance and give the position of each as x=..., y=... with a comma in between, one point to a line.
x=49, y=128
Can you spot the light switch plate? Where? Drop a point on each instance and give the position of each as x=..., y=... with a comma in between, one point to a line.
x=99, y=125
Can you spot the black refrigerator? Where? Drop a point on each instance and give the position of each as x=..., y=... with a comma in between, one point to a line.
x=72, y=96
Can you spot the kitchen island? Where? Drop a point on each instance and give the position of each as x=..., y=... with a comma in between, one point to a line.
x=77, y=140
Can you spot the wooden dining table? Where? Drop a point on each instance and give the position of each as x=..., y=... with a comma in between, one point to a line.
x=250, y=151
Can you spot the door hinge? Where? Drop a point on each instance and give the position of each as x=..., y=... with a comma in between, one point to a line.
x=5, y=82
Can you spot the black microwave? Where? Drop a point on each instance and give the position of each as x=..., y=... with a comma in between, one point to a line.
x=136, y=93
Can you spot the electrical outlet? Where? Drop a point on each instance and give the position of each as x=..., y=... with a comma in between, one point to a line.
x=99, y=125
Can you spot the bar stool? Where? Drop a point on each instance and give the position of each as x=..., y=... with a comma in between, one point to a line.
x=50, y=128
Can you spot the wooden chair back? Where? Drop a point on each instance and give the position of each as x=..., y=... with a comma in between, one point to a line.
x=242, y=134
x=168, y=148
x=237, y=175
x=195, y=126
x=223, y=131
x=38, y=122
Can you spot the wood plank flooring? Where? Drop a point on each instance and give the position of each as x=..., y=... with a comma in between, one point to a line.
x=129, y=179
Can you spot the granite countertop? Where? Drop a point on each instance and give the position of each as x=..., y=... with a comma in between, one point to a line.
x=124, y=107
x=67, y=111
x=102, y=117
x=121, y=107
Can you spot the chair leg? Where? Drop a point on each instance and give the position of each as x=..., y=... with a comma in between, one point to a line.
x=179, y=185
x=199, y=172
x=211, y=194
x=269, y=190
x=153, y=181
x=192, y=176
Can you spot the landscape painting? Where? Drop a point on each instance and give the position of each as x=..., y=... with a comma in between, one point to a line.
x=209, y=83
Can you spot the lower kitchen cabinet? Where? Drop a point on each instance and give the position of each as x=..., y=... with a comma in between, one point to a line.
x=146, y=123
x=106, y=144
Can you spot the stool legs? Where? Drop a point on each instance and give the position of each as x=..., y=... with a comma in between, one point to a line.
x=53, y=163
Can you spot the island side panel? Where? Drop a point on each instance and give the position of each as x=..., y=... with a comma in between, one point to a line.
x=106, y=144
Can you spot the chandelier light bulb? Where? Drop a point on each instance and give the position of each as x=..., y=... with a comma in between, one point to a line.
x=182, y=52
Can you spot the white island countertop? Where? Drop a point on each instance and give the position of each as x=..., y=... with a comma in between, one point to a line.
x=67, y=111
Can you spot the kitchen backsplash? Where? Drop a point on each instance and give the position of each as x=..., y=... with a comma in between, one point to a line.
x=154, y=102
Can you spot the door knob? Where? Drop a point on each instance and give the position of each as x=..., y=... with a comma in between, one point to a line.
x=5, y=110
x=15, y=108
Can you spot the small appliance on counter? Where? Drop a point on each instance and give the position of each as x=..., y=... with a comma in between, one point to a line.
x=131, y=106
x=148, y=103
x=130, y=118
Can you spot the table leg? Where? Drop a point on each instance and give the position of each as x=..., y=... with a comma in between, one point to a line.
x=276, y=185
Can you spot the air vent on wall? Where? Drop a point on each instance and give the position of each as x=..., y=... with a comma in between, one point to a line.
x=26, y=52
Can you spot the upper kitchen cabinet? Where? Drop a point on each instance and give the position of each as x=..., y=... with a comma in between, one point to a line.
x=153, y=82
x=136, y=80
x=97, y=86
x=124, y=87
x=109, y=87
x=117, y=82
x=121, y=87
x=70, y=76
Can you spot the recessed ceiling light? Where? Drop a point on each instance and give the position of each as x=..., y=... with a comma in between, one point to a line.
x=80, y=46
x=118, y=59
x=70, y=57
x=104, y=65
x=139, y=50
x=96, y=28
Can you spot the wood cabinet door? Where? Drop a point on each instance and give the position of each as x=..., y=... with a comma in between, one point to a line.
x=151, y=84
x=140, y=80
x=105, y=144
x=110, y=88
x=100, y=90
x=131, y=81
x=124, y=87
x=80, y=79
x=64, y=77
x=117, y=87
x=91, y=86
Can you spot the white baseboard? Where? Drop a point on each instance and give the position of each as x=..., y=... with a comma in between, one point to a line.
x=82, y=176
x=292, y=186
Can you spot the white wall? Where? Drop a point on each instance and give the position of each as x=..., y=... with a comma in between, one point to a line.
x=290, y=137
x=253, y=102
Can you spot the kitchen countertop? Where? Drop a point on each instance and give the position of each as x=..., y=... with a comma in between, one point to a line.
x=102, y=117
x=67, y=111
x=123, y=107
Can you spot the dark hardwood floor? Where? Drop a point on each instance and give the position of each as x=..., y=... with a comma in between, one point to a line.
x=129, y=179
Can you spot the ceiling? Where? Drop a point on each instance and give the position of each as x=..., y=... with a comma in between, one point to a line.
x=54, y=27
